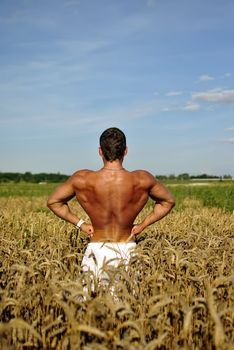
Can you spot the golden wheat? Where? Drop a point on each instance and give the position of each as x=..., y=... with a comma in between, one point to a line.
x=177, y=293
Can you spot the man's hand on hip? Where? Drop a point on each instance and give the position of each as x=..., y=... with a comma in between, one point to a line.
x=88, y=229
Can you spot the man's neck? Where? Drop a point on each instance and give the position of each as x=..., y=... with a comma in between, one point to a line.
x=115, y=165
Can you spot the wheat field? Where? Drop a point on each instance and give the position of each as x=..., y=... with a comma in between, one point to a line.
x=177, y=293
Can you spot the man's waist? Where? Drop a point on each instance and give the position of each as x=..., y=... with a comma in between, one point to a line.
x=110, y=236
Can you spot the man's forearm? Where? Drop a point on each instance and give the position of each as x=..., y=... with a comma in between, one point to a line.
x=159, y=212
x=63, y=211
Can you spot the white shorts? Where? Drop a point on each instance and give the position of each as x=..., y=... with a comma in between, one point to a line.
x=99, y=255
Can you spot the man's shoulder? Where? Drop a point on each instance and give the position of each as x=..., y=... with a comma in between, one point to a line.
x=80, y=178
x=143, y=173
x=80, y=175
x=82, y=172
x=144, y=176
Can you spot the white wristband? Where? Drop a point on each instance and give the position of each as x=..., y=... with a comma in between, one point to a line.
x=80, y=222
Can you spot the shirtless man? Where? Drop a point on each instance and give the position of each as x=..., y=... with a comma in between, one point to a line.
x=112, y=197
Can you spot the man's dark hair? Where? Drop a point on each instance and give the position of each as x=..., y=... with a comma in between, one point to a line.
x=113, y=144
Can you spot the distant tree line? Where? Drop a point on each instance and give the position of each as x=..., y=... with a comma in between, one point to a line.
x=51, y=177
x=186, y=176
x=33, y=178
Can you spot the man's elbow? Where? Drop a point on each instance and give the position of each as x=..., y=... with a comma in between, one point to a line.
x=49, y=203
x=54, y=204
x=172, y=203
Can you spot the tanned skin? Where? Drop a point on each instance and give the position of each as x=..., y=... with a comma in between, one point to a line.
x=112, y=197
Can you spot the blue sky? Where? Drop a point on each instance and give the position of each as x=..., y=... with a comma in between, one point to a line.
x=161, y=70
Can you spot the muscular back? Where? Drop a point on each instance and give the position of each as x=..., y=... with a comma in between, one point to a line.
x=112, y=199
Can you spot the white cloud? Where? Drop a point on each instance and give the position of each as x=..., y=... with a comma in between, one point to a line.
x=166, y=109
x=226, y=75
x=230, y=129
x=205, y=77
x=216, y=96
x=82, y=46
x=191, y=107
x=229, y=140
x=174, y=93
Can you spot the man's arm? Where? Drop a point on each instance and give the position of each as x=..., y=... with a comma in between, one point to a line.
x=58, y=204
x=164, y=202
